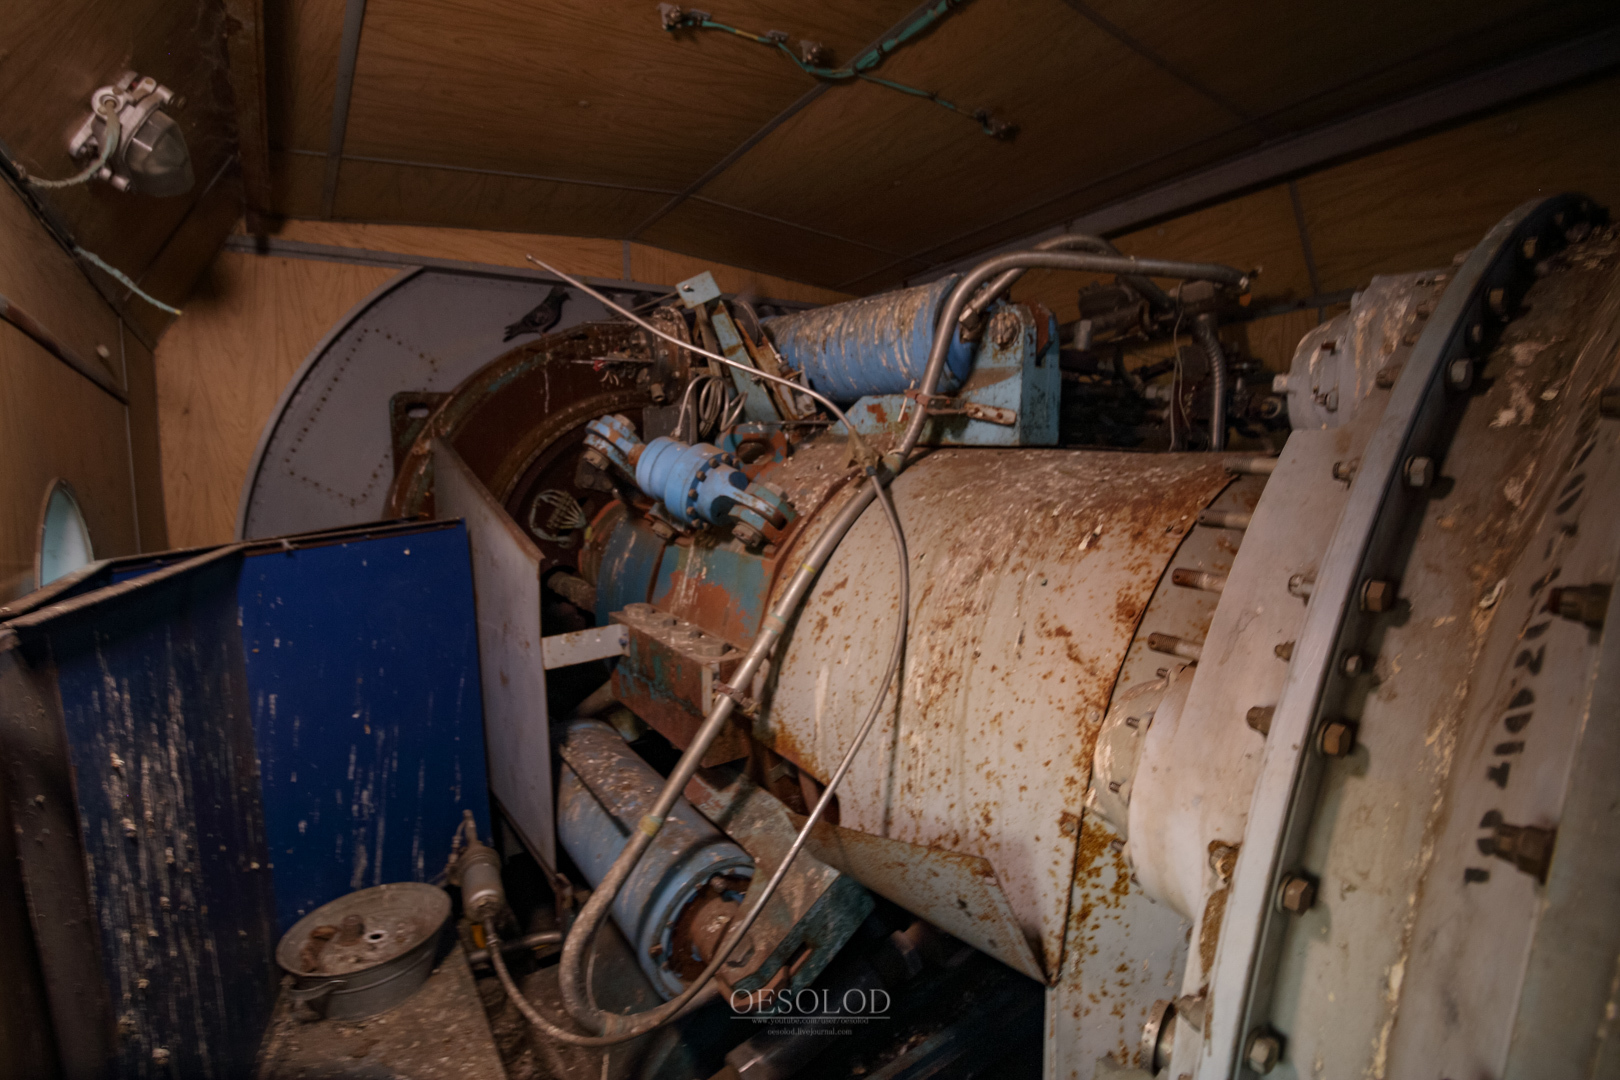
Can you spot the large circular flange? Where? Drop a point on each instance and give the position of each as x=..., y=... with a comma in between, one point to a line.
x=1354, y=585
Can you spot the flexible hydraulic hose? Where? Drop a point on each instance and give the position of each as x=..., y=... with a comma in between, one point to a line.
x=990, y=269
x=111, y=133
x=1070, y=242
x=1204, y=331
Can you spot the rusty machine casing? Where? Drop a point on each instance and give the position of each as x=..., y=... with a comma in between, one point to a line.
x=1255, y=762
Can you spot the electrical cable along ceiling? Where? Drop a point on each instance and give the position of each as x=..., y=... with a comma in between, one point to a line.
x=600, y=120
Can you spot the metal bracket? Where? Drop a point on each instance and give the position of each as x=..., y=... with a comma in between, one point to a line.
x=583, y=646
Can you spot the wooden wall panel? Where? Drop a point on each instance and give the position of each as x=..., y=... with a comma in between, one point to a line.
x=57, y=53
x=301, y=61
x=1418, y=204
x=249, y=324
x=46, y=282
x=55, y=423
x=371, y=191
x=576, y=254
x=668, y=268
x=706, y=231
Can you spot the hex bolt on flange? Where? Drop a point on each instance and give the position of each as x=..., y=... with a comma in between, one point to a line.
x=1609, y=402
x=1338, y=738
x=1352, y=665
x=1259, y=718
x=1377, y=595
x=1460, y=374
x=1580, y=603
x=1296, y=893
x=1264, y=1051
x=1418, y=472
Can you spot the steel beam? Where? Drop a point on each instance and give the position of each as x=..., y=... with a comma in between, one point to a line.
x=354, y=17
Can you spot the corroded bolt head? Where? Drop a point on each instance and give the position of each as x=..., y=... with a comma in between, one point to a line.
x=595, y=460
x=1377, y=595
x=1352, y=664
x=1259, y=718
x=1460, y=374
x=1265, y=1050
x=1297, y=893
x=1419, y=472
x=1338, y=738
x=749, y=535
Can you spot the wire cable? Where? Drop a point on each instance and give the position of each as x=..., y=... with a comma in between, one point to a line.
x=111, y=133
x=863, y=65
x=862, y=449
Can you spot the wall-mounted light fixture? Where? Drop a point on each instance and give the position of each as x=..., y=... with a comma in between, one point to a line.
x=151, y=156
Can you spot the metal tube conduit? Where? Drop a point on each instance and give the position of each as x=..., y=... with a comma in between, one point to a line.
x=1204, y=331
x=1042, y=260
x=1073, y=242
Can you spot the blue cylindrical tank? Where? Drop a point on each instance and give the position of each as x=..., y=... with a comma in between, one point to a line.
x=874, y=345
x=594, y=818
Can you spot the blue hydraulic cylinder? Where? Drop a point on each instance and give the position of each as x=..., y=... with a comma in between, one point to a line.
x=874, y=345
x=693, y=482
x=604, y=791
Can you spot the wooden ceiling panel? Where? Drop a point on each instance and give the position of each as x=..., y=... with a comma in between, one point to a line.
x=902, y=173
x=301, y=62
x=591, y=91
x=1480, y=44
x=1269, y=60
x=414, y=195
x=713, y=232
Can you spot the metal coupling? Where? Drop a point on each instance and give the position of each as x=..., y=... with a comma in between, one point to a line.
x=477, y=870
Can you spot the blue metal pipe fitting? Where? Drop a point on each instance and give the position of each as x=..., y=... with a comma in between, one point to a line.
x=694, y=483
x=615, y=439
x=874, y=345
x=604, y=791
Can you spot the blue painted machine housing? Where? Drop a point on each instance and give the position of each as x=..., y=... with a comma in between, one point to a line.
x=874, y=345
x=604, y=790
x=1020, y=378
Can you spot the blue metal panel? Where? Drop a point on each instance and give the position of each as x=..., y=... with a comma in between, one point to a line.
x=154, y=710
x=874, y=345
x=362, y=671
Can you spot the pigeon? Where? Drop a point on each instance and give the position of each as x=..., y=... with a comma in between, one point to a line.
x=546, y=314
